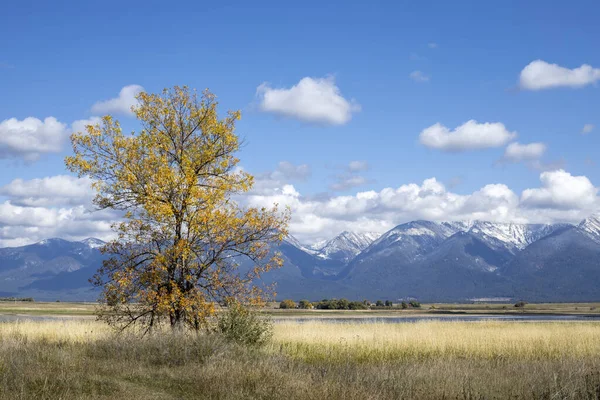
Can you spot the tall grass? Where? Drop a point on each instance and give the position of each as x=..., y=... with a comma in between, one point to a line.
x=487, y=340
x=428, y=360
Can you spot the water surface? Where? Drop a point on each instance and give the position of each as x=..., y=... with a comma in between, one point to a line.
x=444, y=318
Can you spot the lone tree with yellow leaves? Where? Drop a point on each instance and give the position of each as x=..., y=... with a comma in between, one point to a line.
x=183, y=237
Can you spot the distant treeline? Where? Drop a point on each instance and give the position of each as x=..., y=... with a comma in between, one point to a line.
x=16, y=299
x=344, y=304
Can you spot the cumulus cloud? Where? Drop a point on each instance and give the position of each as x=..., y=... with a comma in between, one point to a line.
x=121, y=104
x=539, y=75
x=560, y=197
x=55, y=206
x=471, y=135
x=561, y=190
x=587, y=128
x=31, y=137
x=313, y=100
x=25, y=225
x=419, y=76
x=37, y=209
x=57, y=190
x=517, y=152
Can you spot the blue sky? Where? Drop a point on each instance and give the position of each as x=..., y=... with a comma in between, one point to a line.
x=59, y=59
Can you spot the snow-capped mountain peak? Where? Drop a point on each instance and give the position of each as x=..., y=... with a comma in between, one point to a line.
x=591, y=227
x=346, y=245
x=93, y=243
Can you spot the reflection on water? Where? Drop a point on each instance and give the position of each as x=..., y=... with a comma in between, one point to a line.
x=448, y=318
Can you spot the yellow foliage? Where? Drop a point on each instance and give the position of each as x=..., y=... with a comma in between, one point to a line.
x=179, y=249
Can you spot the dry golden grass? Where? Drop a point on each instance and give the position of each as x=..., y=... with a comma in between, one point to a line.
x=437, y=339
x=83, y=359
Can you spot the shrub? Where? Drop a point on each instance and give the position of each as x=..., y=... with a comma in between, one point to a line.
x=357, y=305
x=379, y=303
x=287, y=304
x=305, y=305
x=388, y=303
x=414, y=304
x=241, y=325
x=343, y=304
x=404, y=305
x=520, y=304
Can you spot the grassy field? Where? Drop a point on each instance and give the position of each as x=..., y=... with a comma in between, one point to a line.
x=87, y=309
x=83, y=359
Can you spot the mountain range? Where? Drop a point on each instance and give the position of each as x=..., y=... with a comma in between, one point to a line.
x=430, y=261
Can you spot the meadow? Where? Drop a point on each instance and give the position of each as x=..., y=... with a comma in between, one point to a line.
x=84, y=359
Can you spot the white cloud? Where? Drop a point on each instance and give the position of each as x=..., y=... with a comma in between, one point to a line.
x=419, y=77
x=21, y=225
x=36, y=209
x=357, y=166
x=539, y=75
x=79, y=125
x=55, y=206
x=31, y=137
x=314, y=100
x=561, y=190
x=121, y=104
x=587, y=128
x=516, y=152
x=561, y=197
x=432, y=45
x=56, y=190
x=469, y=136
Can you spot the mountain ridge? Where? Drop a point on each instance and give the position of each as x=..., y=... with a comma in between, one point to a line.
x=449, y=261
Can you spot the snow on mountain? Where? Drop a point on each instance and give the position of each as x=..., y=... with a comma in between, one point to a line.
x=291, y=240
x=346, y=245
x=415, y=228
x=318, y=245
x=591, y=227
x=410, y=240
x=93, y=243
x=511, y=236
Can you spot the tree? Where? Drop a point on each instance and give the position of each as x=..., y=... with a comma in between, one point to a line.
x=414, y=304
x=388, y=303
x=305, y=305
x=404, y=305
x=379, y=303
x=287, y=304
x=183, y=237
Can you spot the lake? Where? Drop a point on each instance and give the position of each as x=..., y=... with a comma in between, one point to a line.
x=444, y=318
